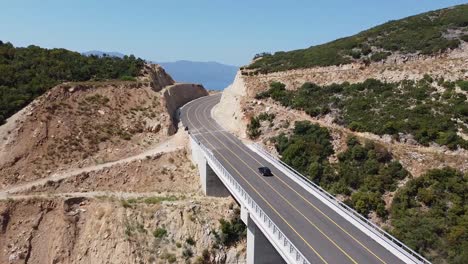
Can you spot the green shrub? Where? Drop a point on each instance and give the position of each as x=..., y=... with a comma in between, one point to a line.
x=127, y=78
x=309, y=143
x=159, y=232
x=231, y=231
x=463, y=85
x=364, y=202
x=253, y=128
x=430, y=215
x=125, y=203
x=379, y=56
x=190, y=241
x=187, y=253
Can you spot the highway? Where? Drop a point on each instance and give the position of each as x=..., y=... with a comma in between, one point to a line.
x=322, y=235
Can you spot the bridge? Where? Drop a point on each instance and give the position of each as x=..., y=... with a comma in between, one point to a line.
x=289, y=219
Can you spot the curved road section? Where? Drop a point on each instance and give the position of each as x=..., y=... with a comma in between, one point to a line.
x=318, y=232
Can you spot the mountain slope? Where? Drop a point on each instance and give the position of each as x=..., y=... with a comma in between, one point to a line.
x=27, y=73
x=212, y=75
x=428, y=34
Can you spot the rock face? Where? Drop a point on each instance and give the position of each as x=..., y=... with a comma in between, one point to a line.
x=229, y=112
x=86, y=230
x=177, y=95
x=157, y=76
x=451, y=66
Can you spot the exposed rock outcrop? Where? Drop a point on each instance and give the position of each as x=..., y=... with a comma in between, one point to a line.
x=176, y=96
x=157, y=76
x=451, y=66
x=229, y=112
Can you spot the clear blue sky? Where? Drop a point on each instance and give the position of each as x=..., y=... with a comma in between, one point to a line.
x=227, y=31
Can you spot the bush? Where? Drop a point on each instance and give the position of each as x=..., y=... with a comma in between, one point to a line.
x=159, y=232
x=430, y=215
x=187, y=253
x=190, y=241
x=309, y=143
x=231, y=231
x=253, y=128
x=463, y=84
x=127, y=78
x=380, y=56
x=464, y=37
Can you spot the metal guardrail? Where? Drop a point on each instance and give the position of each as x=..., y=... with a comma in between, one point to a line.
x=391, y=240
x=274, y=232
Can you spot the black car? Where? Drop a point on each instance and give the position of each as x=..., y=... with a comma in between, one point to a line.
x=265, y=171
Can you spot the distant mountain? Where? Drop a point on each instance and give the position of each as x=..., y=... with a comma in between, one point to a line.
x=101, y=53
x=212, y=75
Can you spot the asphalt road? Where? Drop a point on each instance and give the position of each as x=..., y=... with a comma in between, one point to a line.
x=317, y=231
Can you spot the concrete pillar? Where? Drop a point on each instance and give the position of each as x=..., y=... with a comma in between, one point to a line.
x=259, y=249
x=211, y=184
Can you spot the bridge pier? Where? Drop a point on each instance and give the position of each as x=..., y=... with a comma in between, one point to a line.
x=211, y=184
x=259, y=249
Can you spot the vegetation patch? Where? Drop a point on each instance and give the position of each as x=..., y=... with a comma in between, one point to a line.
x=363, y=172
x=427, y=33
x=27, y=73
x=253, y=128
x=430, y=215
x=159, y=232
x=231, y=231
x=409, y=107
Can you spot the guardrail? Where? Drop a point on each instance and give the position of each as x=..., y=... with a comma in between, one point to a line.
x=269, y=226
x=397, y=244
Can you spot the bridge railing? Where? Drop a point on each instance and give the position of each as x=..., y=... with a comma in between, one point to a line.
x=255, y=211
x=391, y=240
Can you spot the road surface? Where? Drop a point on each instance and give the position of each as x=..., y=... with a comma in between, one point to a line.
x=318, y=232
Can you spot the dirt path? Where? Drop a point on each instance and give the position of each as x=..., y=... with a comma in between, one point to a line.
x=110, y=195
x=174, y=143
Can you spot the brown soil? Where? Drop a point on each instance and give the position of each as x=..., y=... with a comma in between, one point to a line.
x=76, y=125
x=167, y=172
x=106, y=230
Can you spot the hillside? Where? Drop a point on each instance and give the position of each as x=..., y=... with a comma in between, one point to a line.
x=26, y=73
x=425, y=34
x=387, y=135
